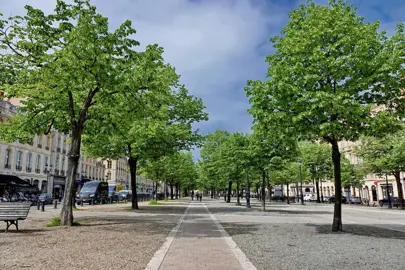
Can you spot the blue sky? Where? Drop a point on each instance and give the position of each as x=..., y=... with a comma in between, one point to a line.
x=216, y=45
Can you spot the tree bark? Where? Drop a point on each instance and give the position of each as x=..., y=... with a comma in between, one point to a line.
x=337, y=214
x=318, y=195
x=237, y=193
x=399, y=188
x=228, y=200
x=171, y=192
x=66, y=215
x=225, y=194
x=133, y=162
x=177, y=190
x=156, y=190
x=212, y=193
x=263, y=190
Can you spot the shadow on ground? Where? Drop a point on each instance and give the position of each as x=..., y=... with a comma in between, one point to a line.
x=383, y=231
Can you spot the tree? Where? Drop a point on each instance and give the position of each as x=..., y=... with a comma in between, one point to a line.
x=267, y=143
x=328, y=69
x=385, y=155
x=149, y=124
x=65, y=65
x=316, y=158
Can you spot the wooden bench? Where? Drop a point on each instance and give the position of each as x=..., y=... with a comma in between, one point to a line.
x=11, y=213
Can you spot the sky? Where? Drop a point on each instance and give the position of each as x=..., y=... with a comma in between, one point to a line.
x=216, y=45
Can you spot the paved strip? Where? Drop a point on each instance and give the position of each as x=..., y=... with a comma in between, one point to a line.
x=200, y=243
x=157, y=259
x=243, y=260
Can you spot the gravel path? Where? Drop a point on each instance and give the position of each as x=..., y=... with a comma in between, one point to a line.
x=104, y=241
x=308, y=246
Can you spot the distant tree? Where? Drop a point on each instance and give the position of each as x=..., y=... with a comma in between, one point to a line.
x=385, y=155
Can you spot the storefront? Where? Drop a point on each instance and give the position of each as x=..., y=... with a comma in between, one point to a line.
x=58, y=187
x=11, y=184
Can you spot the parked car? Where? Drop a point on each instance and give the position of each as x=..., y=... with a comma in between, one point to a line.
x=326, y=199
x=47, y=198
x=314, y=198
x=355, y=200
x=93, y=191
x=332, y=199
x=112, y=193
x=125, y=195
x=307, y=197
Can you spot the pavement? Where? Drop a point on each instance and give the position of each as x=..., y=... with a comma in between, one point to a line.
x=213, y=234
x=200, y=242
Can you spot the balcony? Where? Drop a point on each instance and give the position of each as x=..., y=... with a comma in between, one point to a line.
x=62, y=172
x=46, y=147
x=56, y=172
x=18, y=168
x=28, y=169
x=37, y=171
x=39, y=145
x=58, y=149
x=7, y=166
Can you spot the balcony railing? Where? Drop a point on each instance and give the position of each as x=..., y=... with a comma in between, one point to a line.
x=37, y=170
x=28, y=169
x=58, y=149
x=7, y=166
x=46, y=147
x=39, y=145
x=18, y=168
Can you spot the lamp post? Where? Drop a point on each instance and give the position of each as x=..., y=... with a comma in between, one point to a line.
x=302, y=194
x=388, y=193
x=247, y=191
x=48, y=170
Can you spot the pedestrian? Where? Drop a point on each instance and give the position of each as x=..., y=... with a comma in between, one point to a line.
x=200, y=197
x=197, y=195
x=192, y=195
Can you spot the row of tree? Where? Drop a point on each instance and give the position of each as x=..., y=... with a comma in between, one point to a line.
x=227, y=159
x=329, y=71
x=76, y=76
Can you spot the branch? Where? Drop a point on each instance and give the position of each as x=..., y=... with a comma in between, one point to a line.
x=49, y=127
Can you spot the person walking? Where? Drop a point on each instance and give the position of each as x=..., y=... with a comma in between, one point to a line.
x=192, y=195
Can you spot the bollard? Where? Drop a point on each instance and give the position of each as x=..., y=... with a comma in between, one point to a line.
x=43, y=207
x=38, y=204
x=55, y=204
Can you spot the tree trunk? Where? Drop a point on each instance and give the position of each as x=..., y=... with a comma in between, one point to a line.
x=212, y=193
x=318, y=195
x=288, y=193
x=133, y=162
x=177, y=190
x=66, y=215
x=263, y=190
x=225, y=194
x=237, y=193
x=171, y=191
x=156, y=190
x=337, y=215
x=228, y=200
x=399, y=188
x=166, y=191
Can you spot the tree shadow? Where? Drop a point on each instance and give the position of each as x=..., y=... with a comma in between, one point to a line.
x=297, y=212
x=240, y=228
x=363, y=230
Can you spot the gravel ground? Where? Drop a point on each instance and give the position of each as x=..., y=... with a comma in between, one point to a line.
x=309, y=246
x=104, y=241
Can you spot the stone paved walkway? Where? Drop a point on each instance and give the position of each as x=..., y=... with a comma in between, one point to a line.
x=200, y=243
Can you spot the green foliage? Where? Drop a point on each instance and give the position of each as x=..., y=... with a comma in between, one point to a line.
x=317, y=158
x=383, y=155
x=155, y=203
x=56, y=221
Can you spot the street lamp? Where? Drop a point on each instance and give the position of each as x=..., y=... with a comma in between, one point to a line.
x=388, y=193
x=247, y=192
x=302, y=195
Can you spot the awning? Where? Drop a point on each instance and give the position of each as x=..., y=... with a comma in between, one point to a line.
x=18, y=183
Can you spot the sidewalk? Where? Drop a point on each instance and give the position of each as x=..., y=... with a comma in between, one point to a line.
x=199, y=242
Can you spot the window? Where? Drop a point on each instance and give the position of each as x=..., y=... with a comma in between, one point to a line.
x=63, y=164
x=37, y=162
x=46, y=162
x=58, y=145
x=19, y=157
x=57, y=163
x=109, y=164
x=28, y=163
x=8, y=152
